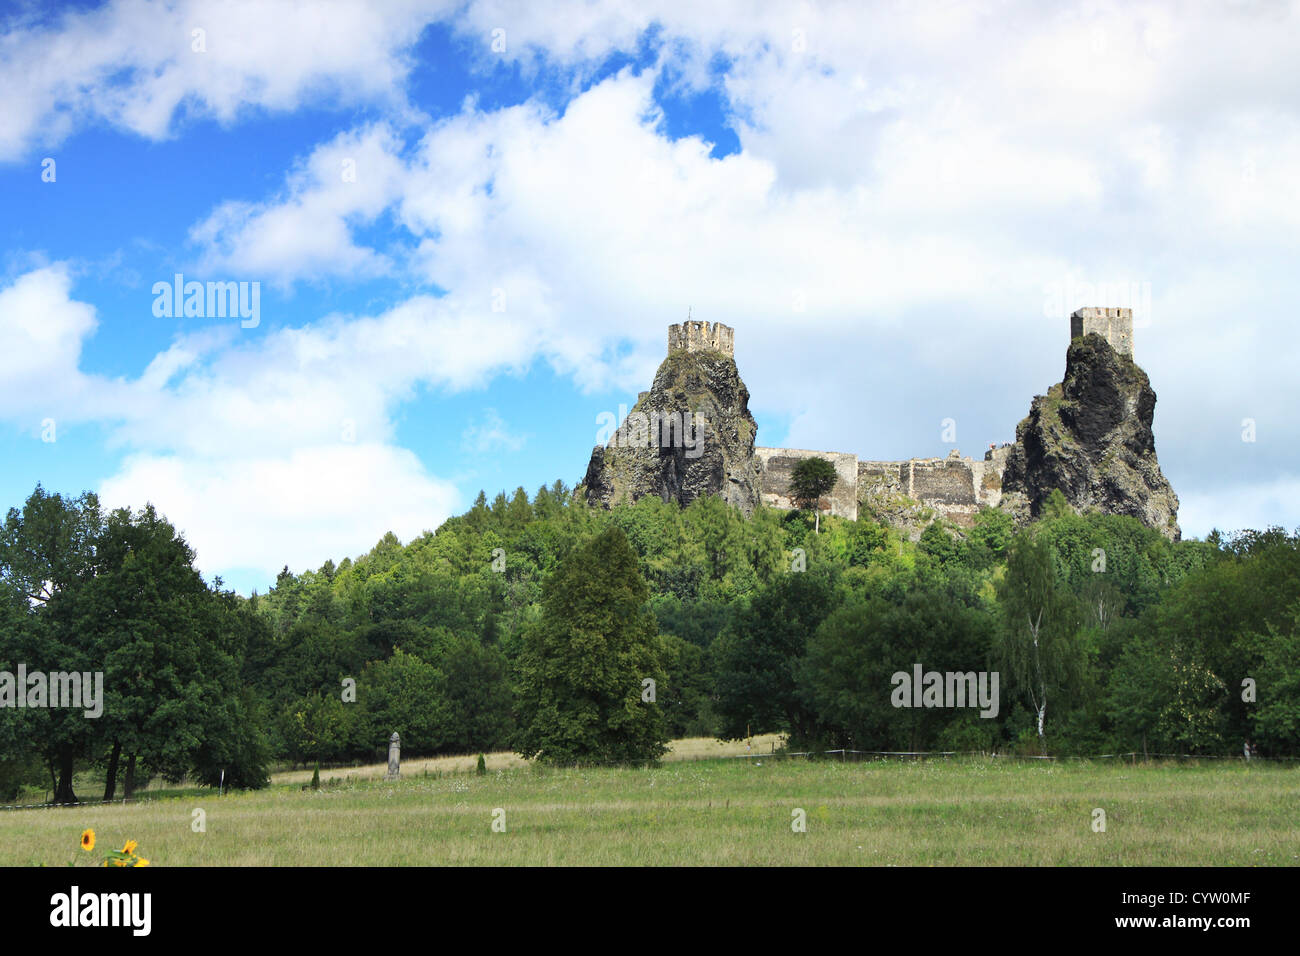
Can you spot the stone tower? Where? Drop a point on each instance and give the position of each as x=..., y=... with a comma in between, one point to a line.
x=696, y=336
x=1090, y=436
x=1113, y=325
x=710, y=449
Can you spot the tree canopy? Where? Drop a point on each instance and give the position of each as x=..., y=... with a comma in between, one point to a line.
x=534, y=622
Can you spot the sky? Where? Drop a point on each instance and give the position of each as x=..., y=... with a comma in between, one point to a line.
x=461, y=230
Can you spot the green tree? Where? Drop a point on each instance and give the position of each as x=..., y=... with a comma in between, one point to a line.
x=1178, y=681
x=117, y=595
x=1038, y=642
x=687, y=697
x=405, y=694
x=582, y=665
x=852, y=657
x=168, y=646
x=812, y=479
x=1056, y=506
x=758, y=658
x=476, y=687
x=319, y=727
x=46, y=551
x=1275, y=722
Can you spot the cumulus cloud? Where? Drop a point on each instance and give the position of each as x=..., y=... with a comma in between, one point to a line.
x=138, y=65
x=299, y=508
x=343, y=185
x=951, y=261
x=262, y=449
x=43, y=332
x=921, y=196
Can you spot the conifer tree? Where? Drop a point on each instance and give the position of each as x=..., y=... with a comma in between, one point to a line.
x=583, y=667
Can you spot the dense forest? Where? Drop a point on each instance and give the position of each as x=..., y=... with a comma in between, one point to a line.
x=535, y=624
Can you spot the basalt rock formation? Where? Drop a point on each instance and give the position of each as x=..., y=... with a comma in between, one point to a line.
x=1090, y=436
x=692, y=434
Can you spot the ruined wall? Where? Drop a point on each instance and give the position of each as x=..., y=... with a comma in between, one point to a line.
x=954, y=487
x=699, y=336
x=1113, y=325
x=946, y=484
x=778, y=464
x=882, y=477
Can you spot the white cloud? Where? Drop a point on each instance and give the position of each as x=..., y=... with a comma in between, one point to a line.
x=261, y=449
x=133, y=63
x=344, y=184
x=42, y=333
x=917, y=178
x=491, y=433
x=920, y=183
x=298, y=509
x=1244, y=506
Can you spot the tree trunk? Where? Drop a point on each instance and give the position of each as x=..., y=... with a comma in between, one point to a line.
x=130, y=777
x=67, y=762
x=110, y=783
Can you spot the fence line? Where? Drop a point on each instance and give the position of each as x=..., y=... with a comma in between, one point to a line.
x=79, y=803
x=994, y=755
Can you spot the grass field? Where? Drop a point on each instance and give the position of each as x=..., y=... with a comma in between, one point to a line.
x=717, y=811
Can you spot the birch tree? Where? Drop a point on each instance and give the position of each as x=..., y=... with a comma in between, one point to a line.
x=1038, y=643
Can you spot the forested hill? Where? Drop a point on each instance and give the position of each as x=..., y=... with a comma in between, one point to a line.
x=548, y=613
x=767, y=626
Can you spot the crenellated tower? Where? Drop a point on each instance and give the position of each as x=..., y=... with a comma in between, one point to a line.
x=696, y=336
x=1113, y=325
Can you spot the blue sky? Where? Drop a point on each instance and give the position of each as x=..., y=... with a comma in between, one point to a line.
x=471, y=223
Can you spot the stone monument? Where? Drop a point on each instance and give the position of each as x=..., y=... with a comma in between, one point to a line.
x=394, y=757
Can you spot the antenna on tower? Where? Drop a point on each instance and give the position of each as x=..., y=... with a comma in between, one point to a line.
x=688, y=313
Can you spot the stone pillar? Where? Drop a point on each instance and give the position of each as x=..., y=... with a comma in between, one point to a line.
x=394, y=757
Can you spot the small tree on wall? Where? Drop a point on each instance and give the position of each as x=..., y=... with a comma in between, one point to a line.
x=811, y=479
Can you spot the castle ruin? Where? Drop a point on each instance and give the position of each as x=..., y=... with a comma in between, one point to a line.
x=1098, y=448
x=696, y=336
x=955, y=486
x=1113, y=325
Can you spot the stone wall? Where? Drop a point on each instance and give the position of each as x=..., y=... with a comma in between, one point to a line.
x=946, y=484
x=699, y=336
x=882, y=477
x=1113, y=325
x=777, y=467
x=954, y=487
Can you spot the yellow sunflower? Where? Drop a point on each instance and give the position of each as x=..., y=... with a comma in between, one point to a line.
x=130, y=846
x=141, y=861
x=87, y=840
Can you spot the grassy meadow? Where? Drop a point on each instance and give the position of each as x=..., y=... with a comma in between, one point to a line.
x=700, y=810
